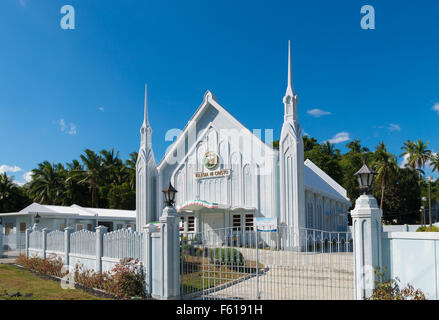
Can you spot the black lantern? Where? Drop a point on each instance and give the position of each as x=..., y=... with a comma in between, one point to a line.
x=37, y=218
x=365, y=178
x=169, y=192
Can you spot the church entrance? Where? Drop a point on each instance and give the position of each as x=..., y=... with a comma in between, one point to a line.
x=213, y=225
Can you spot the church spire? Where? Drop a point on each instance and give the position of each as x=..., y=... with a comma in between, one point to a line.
x=145, y=130
x=290, y=98
x=145, y=116
x=290, y=90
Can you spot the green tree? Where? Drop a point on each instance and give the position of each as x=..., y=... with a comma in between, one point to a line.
x=47, y=185
x=122, y=197
x=386, y=167
x=92, y=175
x=350, y=163
x=418, y=155
x=130, y=165
x=12, y=197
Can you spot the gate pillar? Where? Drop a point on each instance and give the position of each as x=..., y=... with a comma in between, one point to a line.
x=1, y=240
x=170, y=256
x=366, y=233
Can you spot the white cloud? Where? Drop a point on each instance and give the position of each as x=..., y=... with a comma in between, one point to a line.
x=28, y=176
x=394, y=127
x=318, y=113
x=63, y=126
x=72, y=130
x=101, y=109
x=405, y=161
x=340, y=137
x=436, y=108
x=5, y=168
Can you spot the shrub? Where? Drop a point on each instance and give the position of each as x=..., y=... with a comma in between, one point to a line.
x=229, y=256
x=51, y=266
x=428, y=229
x=390, y=290
x=125, y=280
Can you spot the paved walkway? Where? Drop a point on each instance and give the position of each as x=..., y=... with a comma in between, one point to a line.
x=9, y=257
x=296, y=276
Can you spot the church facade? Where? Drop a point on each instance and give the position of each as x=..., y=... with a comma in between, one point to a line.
x=228, y=178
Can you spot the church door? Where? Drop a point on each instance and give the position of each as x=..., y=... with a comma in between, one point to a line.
x=214, y=228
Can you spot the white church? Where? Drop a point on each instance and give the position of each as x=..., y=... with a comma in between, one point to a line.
x=227, y=177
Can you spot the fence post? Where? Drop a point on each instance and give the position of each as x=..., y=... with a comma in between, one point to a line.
x=67, y=232
x=99, y=246
x=28, y=231
x=170, y=254
x=147, y=257
x=367, y=232
x=44, y=240
x=1, y=240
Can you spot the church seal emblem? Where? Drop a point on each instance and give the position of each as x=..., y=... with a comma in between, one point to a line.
x=211, y=160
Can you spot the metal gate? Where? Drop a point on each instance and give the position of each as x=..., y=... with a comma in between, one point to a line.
x=14, y=244
x=284, y=264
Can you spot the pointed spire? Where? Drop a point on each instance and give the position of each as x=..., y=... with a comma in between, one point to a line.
x=290, y=72
x=145, y=116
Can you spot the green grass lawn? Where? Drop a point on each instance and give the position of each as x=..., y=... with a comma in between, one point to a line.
x=14, y=279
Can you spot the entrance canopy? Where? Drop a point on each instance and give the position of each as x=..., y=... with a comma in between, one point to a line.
x=200, y=204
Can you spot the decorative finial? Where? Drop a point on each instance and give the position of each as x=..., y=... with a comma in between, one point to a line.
x=290, y=72
x=145, y=116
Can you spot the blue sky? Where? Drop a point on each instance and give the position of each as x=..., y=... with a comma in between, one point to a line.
x=62, y=91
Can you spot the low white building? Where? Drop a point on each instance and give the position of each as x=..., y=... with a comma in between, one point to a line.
x=59, y=217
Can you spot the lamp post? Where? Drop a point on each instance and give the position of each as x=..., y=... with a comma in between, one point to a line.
x=424, y=199
x=429, y=180
x=366, y=233
x=170, y=246
x=365, y=178
x=169, y=192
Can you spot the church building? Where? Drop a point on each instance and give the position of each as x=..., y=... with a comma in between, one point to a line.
x=227, y=177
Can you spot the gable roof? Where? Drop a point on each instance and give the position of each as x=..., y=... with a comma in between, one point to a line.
x=315, y=178
x=77, y=211
x=210, y=100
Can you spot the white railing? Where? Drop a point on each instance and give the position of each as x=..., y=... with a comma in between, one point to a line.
x=35, y=240
x=55, y=241
x=83, y=242
x=285, y=263
x=122, y=244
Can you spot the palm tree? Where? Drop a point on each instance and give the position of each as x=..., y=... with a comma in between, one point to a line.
x=115, y=171
x=47, y=185
x=385, y=165
x=75, y=193
x=417, y=154
x=92, y=175
x=328, y=148
x=130, y=165
x=6, y=187
x=434, y=162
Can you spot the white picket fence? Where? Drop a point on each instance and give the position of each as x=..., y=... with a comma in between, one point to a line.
x=122, y=244
x=35, y=240
x=83, y=242
x=91, y=250
x=55, y=241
